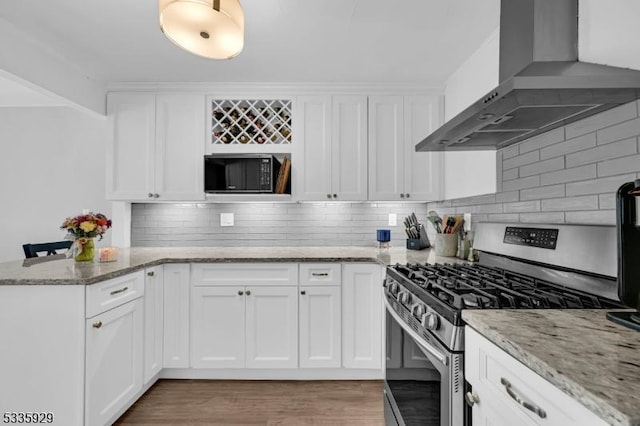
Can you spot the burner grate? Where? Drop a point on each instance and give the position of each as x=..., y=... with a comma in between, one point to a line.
x=474, y=286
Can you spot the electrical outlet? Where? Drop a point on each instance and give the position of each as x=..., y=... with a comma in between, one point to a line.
x=393, y=219
x=467, y=222
x=226, y=219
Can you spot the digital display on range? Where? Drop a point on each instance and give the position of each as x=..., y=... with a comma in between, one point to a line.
x=534, y=237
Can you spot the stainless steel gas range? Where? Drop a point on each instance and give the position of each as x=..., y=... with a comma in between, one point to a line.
x=532, y=266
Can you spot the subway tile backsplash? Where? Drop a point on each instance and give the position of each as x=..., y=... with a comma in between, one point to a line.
x=567, y=175
x=269, y=224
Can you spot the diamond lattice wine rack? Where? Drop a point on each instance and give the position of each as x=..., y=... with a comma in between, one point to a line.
x=247, y=122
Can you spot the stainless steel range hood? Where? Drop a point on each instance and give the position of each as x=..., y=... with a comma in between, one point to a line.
x=542, y=84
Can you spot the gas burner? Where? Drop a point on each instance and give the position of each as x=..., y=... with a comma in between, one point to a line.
x=471, y=300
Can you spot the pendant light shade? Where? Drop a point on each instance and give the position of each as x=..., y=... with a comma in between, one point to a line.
x=209, y=28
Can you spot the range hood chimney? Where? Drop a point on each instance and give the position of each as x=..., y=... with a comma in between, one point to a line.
x=542, y=83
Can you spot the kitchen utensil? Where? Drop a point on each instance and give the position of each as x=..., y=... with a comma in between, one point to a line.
x=451, y=221
x=457, y=225
x=435, y=220
x=414, y=219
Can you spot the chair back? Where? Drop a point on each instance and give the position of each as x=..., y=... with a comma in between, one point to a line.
x=32, y=250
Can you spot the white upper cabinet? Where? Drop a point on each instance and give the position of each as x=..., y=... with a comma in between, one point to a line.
x=396, y=171
x=333, y=136
x=422, y=170
x=130, y=168
x=156, y=147
x=179, y=147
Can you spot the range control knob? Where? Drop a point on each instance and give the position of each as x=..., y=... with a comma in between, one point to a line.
x=392, y=286
x=419, y=310
x=431, y=321
x=404, y=297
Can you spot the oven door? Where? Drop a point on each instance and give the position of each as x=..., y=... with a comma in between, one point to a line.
x=423, y=381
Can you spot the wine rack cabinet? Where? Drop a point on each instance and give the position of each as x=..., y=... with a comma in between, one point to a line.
x=250, y=122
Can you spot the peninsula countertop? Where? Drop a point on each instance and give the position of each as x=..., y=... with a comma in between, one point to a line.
x=69, y=272
x=590, y=358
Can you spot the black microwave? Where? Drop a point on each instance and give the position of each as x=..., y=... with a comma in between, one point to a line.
x=240, y=173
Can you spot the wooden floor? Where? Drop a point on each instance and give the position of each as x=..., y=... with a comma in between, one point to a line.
x=270, y=403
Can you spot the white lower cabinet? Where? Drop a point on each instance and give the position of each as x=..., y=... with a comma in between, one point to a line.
x=271, y=329
x=508, y=392
x=362, y=318
x=153, y=321
x=176, y=315
x=113, y=361
x=320, y=322
x=217, y=327
x=238, y=327
x=244, y=315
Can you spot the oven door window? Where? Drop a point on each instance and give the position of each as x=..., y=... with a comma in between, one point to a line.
x=412, y=382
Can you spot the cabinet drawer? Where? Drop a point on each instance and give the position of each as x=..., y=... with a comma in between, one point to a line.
x=320, y=274
x=114, y=292
x=242, y=274
x=493, y=373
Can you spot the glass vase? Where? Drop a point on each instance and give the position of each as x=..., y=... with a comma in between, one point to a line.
x=88, y=250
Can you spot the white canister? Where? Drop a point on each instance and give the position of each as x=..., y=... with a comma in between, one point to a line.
x=446, y=244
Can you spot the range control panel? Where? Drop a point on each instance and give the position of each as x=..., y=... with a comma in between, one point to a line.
x=534, y=237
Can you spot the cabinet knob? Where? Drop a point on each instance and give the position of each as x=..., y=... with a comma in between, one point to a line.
x=240, y=292
x=335, y=195
x=150, y=273
x=401, y=195
x=97, y=324
x=248, y=292
x=156, y=195
x=150, y=195
x=303, y=292
x=472, y=398
x=407, y=195
x=328, y=195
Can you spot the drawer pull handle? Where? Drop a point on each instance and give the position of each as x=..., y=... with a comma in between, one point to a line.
x=97, y=324
x=526, y=404
x=150, y=273
x=320, y=274
x=122, y=290
x=303, y=292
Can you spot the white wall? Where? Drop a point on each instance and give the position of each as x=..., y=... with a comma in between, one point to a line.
x=51, y=166
x=42, y=68
x=608, y=32
x=471, y=173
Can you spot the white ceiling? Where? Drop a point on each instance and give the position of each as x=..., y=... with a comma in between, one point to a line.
x=399, y=41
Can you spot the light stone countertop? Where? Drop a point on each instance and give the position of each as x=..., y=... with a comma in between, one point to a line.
x=590, y=358
x=69, y=272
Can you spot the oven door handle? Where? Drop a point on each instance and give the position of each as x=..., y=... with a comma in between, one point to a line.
x=423, y=344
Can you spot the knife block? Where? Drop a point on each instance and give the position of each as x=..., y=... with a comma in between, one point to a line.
x=416, y=244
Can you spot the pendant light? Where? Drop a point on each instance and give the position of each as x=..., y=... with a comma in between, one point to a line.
x=210, y=28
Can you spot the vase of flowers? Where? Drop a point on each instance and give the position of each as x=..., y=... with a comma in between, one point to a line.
x=82, y=230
